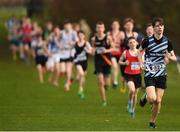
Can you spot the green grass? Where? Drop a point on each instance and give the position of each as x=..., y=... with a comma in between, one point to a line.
x=25, y=104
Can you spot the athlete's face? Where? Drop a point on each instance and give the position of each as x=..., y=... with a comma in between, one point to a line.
x=81, y=36
x=35, y=25
x=28, y=21
x=132, y=43
x=149, y=31
x=68, y=26
x=158, y=28
x=49, y=26
x=56, y=31
x=115, y=25
x=129, y=26
x=100, y=28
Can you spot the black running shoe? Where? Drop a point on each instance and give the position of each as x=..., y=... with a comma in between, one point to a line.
x=152, y=125
x=143, y=100
x=114, y=86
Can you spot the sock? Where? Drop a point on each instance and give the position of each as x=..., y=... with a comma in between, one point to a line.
x=115, y=82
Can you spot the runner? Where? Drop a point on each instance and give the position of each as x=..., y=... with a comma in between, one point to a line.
x=129, y=27
x=149, y=30
x=48, y=30
x=66, y=43
x=15, y=41
x=102, y=45
x=132, y=73
x=40, y=57
x=36, y=32
x=81, y=48
x=54, y=57
x=117, y=38
x=155, y=48
x=26, y=38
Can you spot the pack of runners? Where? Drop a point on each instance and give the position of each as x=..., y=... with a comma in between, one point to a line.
x=57, y=51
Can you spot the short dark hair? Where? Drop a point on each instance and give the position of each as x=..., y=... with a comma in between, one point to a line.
x=67, y=22
x=157, y=19
x=81, y=32
x=148, y=25
x=115, y=20
x=129, y=19
x=130, y=38
x=100, y=23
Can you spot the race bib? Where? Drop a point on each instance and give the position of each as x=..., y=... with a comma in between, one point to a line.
x=40, y=52
x=153, y=68
x=135, y=66
x=99, y=50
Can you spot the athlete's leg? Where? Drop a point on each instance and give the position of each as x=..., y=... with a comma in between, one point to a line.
x=151, y=94
x=115, y=71
x=21, y=51
x=32, y=52
x=51, y=74
x=107, y=81
x=68, y=75
x=57, y=69
x=14, y=52
x=151, y=97
x=81, y=74
x=101, y=84
x=122, y=68
x=50, y=68
x=157, y=104
x=81, y=77
x=132, y=89
x=62, y=68
x=26, y=49
x=40, y=73
x=135, y=99
x=27, y=53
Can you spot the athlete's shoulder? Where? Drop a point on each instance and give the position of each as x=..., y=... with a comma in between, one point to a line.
x=87, y=43
x=135, y=34
x=93, y=38
x=108, y=37
x=146, y=39
x=109, y=33
x=124, y=53
x=145, y=42
x=73, y=32
x=166, y=38
x=122, y=34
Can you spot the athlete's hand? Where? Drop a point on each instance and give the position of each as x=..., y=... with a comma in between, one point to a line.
x=142, y=66
x=166, y=60
x=126, y=62
x=104, y=50
x=49, y=54
x=93, y=51
x=72, y=43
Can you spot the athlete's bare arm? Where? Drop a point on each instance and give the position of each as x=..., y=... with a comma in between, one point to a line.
x=88, y=48
x=121, y=60
x=93, y=45
x=171, y=55
x=110, y=42
x=135, y=34
x=141, y=57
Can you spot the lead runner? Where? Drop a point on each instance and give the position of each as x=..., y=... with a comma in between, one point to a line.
x=156, y=48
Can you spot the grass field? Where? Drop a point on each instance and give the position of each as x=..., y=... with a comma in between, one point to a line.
x=25, y=104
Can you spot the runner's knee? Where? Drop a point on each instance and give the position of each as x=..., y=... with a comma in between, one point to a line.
x=151, y=99
x=158, y=101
